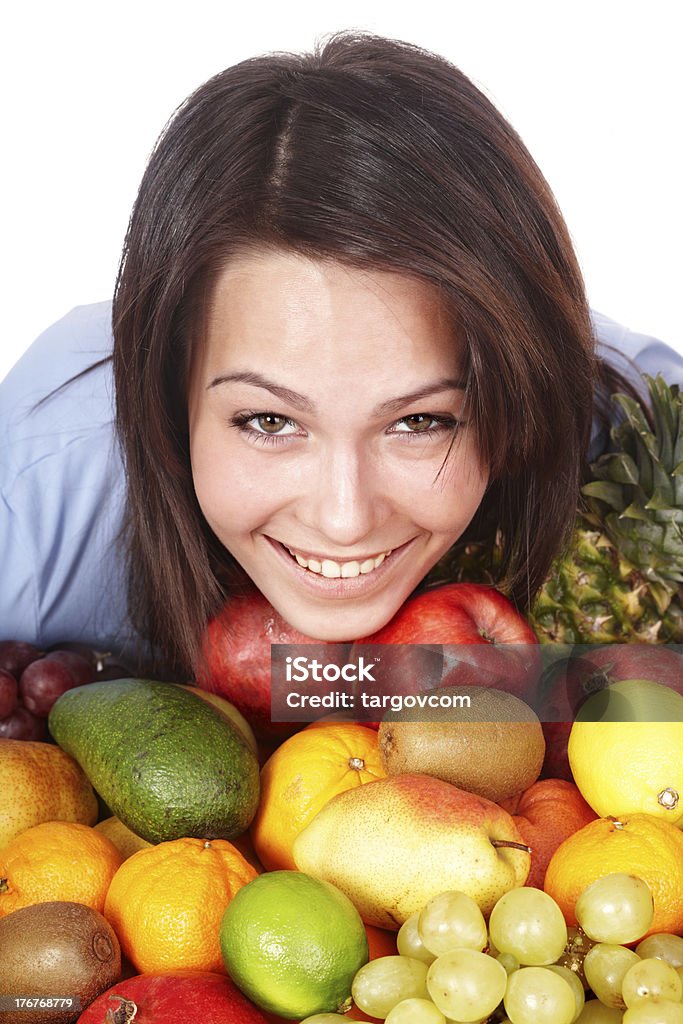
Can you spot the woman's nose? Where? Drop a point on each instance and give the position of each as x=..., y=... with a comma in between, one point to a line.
x=343, y=504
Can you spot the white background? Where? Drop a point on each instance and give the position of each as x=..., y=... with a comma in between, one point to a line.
x=593, y=87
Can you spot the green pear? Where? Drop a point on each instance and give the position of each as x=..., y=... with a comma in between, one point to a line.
x=394, y=844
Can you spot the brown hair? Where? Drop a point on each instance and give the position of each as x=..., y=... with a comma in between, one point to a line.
x=377, y=154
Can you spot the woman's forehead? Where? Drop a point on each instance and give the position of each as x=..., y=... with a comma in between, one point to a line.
x=268, y=300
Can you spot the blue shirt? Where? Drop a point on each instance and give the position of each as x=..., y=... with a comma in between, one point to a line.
x=62, y=485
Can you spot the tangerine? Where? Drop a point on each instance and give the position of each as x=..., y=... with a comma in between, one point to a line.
x=57, y=860
x=546, y=814
x=299, y=778
x=166, y=902
x=637, y=844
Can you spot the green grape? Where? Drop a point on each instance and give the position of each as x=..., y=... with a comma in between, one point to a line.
x=595, y=1012
x=654, y=1011
x=509, y=962
x=651, y=979
x=574, y=983
x=616, y=908
x=324, y=1018
x=416, y=1011
x=536, y=995
x=664, y=946
x=382, y=983
x=529, y=924
x=466, y=985
x=409, y=943
x=605, y=966
x=452, y=920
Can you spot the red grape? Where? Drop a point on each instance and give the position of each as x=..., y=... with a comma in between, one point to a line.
x=15, y=655
x=82, y=671
x=22, y=725
x=8, y=693
x=42, y=682
x=85, y=652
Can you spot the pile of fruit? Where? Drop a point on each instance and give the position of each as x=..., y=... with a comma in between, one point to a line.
x=169, y=853
x=343, y=872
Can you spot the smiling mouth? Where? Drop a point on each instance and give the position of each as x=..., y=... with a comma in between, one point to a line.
x=331, y=569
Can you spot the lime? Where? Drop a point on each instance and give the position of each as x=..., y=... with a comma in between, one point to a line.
x=293, y=944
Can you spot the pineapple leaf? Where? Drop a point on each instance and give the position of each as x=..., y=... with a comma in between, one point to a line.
x=636, y=511
x=606, y=491
x=623, y=469
x=665, y=417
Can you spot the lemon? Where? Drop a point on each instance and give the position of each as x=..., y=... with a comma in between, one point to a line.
x=630, y=766
x=293, y=944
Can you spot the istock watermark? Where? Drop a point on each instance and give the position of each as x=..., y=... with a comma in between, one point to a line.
x=420, y=682
x=303, y=669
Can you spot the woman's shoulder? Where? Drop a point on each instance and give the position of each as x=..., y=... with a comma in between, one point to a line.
x=62, y=487
x=32, y=393
x=620, y=346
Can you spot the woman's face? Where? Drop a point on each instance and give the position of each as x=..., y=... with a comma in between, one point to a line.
x=323, y=403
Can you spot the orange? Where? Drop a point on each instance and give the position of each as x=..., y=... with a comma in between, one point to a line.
x=299, y=778
x=546, y=814
x=57, y=860
x=637, y=844
x=165, y=903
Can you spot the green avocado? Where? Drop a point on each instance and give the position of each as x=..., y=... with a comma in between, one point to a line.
x=167, y=763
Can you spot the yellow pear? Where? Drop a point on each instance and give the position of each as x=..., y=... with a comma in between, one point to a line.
x=125, y=841
x=40, y=782
x=395, y=844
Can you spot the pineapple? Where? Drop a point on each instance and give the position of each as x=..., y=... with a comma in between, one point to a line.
x=620, y=581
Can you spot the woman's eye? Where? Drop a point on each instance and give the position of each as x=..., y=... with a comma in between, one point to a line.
x=271, y=423
x=418, y=423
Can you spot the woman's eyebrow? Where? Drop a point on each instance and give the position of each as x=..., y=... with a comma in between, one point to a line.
x=258, y=381
x=301, y=402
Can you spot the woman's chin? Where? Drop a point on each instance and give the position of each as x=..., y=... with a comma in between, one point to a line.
x=340, y=626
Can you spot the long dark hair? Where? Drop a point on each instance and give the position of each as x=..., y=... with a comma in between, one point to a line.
x=377, y=154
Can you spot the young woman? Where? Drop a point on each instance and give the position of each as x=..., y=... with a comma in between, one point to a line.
x=349, y=326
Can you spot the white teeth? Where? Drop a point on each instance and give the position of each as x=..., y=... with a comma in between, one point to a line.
x=334, y=570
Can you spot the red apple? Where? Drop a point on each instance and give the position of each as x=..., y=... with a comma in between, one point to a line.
x=485, y=642
x=556, y=761
x=237, y=662
x=597, y=667
x=176, y=996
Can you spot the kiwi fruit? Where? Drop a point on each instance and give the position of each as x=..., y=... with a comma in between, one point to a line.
x=59, y=950
x=494, y=748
